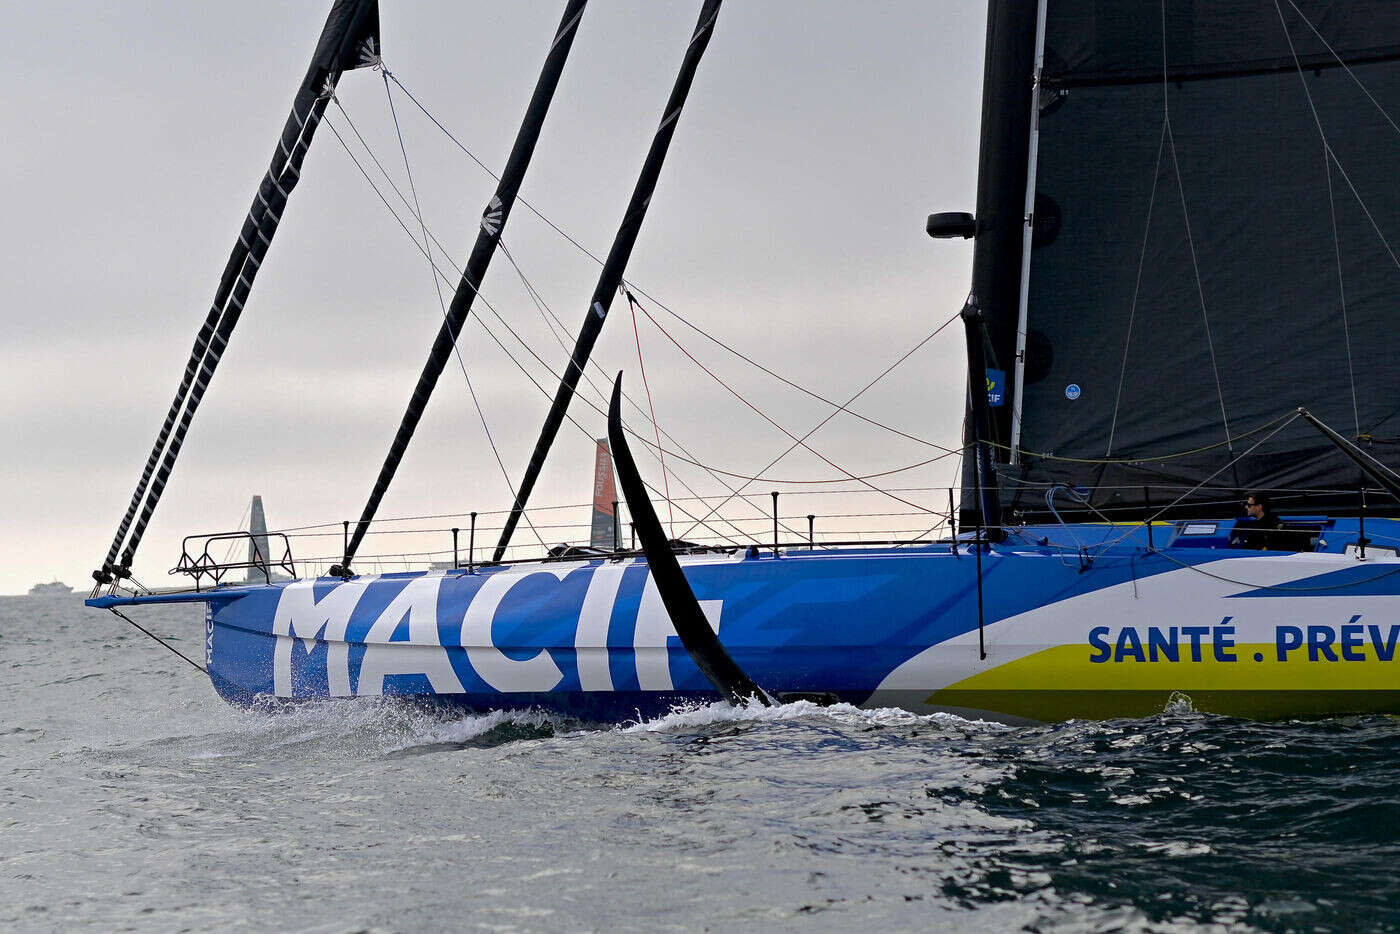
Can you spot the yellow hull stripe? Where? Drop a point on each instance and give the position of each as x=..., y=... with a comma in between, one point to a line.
x=1060, y=683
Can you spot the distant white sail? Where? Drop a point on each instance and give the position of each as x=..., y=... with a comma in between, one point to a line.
x=258, y=552
x=604, y=499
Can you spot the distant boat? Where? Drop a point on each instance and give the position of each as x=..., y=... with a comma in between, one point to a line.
x=51, y=589
x=261, y=566
x=603, y=530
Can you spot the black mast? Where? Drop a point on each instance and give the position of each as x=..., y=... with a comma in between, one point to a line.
x=493, y=221
x=990, y=317
x=349, y=40
x=614, y=266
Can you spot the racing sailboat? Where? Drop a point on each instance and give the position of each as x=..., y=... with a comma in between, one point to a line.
x=1181, y=291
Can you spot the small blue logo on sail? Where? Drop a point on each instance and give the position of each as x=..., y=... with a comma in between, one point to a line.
x=996, y=387
x=1072, y=391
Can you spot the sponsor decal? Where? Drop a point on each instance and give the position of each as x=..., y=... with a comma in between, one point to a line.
x=407, y=637
x=996, y=387
x=1352, y=641
x=491, y=217
x=369, y=54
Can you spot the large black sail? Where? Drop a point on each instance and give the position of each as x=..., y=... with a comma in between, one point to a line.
x=349, y=39
x=493, y=221
x=1218, y=227
x=614, y=266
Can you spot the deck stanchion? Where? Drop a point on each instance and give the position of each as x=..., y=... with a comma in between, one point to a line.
x=345, y=549
x=981, y=640
x=633, y=527
x=1361, y=540
x=811, y=531
x=1147, y=506
x=977, y=545
x=775, y=523
x=471, y=548
x=953, y=525
x=617, y=529
x=455, y=563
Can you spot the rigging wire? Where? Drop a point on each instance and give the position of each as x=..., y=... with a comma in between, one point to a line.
x=802, y=440
x=787, y=382
x=501, y=244
x=513, y=359
x=551, y=320
x=660, y=449
x=657, y=302
x=533, y=210
x=193, y=664
x=643, y=440
x=1283, y=422
x=437, y=287
x=674, y=314
x=1137, y=284
x=796, y=441
x=692, y=461
x=1332, y=155
x=1176, y=455
x=947, y=519
x=410, y=233
x=1190, y=240
x=492, y=218
x=309, y=531
x=544, y=392
x=1345, y=67
x=233, y=542
x=548, y=313
x=1364, y=209
x=636, y=332
x=679, y=499
x=1341, y=286
x=1332, y=208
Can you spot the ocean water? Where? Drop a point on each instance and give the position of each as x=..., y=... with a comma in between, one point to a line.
x=131, y=797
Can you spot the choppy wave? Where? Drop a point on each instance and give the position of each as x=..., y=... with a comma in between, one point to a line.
x=141, y=800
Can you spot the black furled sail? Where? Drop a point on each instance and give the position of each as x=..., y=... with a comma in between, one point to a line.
x=989, y=316
x=493, y=221
x=614, y=266
x=349, y=40
x=1216, y=242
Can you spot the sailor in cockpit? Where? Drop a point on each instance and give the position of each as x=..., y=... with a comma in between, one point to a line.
x=1257, y=528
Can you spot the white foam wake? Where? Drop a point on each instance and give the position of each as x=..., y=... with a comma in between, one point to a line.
x=691, y=715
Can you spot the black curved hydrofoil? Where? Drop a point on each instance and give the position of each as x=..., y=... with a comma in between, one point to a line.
x=694, y=630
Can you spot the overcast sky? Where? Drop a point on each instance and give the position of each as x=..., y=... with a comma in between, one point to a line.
x=788, y=222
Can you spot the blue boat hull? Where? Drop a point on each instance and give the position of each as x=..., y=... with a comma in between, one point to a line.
x=1250, y=633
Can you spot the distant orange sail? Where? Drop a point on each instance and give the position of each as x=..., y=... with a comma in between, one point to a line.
x=604, y=498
